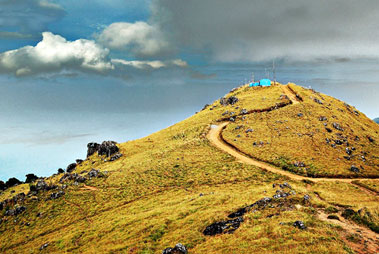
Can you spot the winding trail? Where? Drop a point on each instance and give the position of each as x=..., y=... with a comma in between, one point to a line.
x=216, y=138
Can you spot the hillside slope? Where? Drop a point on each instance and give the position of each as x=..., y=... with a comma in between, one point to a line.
x=172, y=186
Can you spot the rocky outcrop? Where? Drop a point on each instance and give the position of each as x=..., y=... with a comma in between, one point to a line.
x=226, y=227
x=30, y=178
x=92, y=148
x=228, y=101
x=107, y=148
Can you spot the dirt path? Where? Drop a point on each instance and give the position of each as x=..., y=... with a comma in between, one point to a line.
x=290, y=94
x=91, y=188
x=365, y=240
x=215, y=137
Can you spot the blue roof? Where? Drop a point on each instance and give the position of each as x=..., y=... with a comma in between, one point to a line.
x=254, y=84
x=265, y=82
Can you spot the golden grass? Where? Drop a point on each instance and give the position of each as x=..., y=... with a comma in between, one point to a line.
x=150, y=199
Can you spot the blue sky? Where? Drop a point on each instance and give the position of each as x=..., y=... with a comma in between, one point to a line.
x=73, y=72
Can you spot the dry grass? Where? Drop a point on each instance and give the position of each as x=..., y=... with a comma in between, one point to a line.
x=151, y=199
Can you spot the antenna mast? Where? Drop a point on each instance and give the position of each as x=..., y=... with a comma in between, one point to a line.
x=274, y=71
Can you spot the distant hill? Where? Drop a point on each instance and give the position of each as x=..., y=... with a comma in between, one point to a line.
x=376, y=120
x=241, y=176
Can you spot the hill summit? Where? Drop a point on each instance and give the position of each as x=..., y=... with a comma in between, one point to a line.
x=278, y=169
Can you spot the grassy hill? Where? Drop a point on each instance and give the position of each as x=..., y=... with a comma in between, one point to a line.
x=167, y=188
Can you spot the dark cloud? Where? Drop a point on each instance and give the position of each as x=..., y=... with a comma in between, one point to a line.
x=253, y=30
x=22, y=19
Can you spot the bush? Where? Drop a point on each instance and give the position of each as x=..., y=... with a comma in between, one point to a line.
x=31, y=178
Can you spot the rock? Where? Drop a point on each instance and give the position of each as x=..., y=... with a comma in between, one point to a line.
x=12, y=182
x=244, y=112
x=370, y=139
x=79, y=161
x=354, y=169
x=41, y=185
x=249, y=130
x=178, y=249
x=337, y=126
x=299, y=224
x=227, y=227
x=322, y=118
x=16, y=211
x=75, y=177
x=299, y=164
x=94, y=173
x=71, y=167
x=232, y=119
x=317, y=101
x=115, y=157
x=280, y=194
x=92, y=148
x=60, y=171
x=108, y=148
x=30, y=178
x=3, y=186
x=306, y=197
x=44, y=246
x=300, y=114
x=228, y=101
x=205, y=106
x=56, y=195
x=348, y=151
x=328, y=129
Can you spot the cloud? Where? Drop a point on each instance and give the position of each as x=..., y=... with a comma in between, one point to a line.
x=254, y=30
x=151, y=64
x=21, y=19
x=53, y=54
x=139, y=38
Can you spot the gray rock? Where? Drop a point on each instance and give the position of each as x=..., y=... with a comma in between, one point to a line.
x=299, y=224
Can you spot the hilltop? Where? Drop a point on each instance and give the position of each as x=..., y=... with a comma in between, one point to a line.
x=279, y=169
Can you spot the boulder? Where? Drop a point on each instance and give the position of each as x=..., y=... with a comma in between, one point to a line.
x=60, y=171
x=56, y=195
x=299, y=224
x=15, y=211
x=354, y=169
x=115, y=157
x=71, y=167
x=322, y=118
x=337, y=126
x=108, y=148
x=227, y=227
x=317, y=101
x=92, y=148
x=30, y=178
x=79, y=161
x=178, y=249
x=228, y=101
x=12, y=182
x=3, y=186
x=244, y=112
x=44, y=246
x=94, y=173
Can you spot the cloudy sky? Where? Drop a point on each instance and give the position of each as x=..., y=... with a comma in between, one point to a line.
x=76, y=71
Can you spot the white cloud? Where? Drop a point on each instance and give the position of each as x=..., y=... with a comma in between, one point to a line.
x=53, y=54
x=140, y=38
x=151, y=64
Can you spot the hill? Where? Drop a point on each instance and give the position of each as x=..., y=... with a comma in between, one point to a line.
x=279, y=169
x=376, y=120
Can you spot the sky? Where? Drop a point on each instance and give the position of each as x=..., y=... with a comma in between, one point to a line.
x=73, y=72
